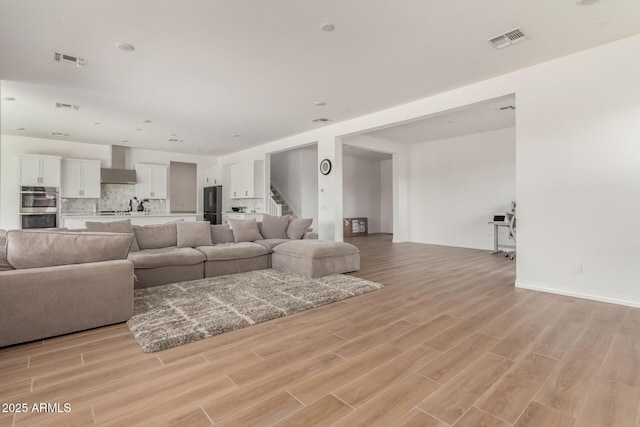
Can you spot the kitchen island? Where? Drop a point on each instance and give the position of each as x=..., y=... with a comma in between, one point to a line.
x=78, y=220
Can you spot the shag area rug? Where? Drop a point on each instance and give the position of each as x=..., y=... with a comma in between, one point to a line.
x=179, y=313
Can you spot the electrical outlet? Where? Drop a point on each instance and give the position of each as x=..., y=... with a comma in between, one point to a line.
x=577, y=268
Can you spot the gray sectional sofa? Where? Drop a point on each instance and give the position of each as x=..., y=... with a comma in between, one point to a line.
x=57, y=282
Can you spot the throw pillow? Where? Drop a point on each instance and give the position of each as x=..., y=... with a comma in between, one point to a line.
x=193, y=233
x=274, y=227
x=123, y=226
x=297, y=227
x=221, y=234
x=245, y=230
x=4, y=264
x=156, y=236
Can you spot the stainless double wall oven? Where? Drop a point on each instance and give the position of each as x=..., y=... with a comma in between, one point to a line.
x=39, y=207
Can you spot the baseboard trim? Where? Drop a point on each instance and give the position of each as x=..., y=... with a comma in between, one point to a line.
x=572, y=293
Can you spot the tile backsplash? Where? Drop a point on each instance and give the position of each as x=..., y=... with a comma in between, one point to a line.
x=114, y=197
x=251, y=205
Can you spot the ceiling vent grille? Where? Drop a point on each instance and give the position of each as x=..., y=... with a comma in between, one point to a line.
x=69, y=107
x=59, y=133
x=61, y=57
x=321, y=120
x=506, y=107
x=507, y=39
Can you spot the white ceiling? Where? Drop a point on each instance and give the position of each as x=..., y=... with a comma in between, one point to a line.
x=206, y=69
x=467, y=120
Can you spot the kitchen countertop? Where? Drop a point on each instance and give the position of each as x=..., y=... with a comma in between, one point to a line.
x=127, y=214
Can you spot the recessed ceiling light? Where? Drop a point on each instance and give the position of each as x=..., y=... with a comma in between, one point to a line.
x=236, y=135
x=20, y=129
x=199, y=149
x=321, y=120
x=145, y=121
x=319, y=103
x=95, y=123
x=125, y=46
x=8, y=98
x=327, y=27
x=138, y=129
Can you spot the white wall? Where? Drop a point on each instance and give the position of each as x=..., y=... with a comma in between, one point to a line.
x=293, y=172
x=13, y=146
x=457, y=184
x=362, y=190
x=386, y=196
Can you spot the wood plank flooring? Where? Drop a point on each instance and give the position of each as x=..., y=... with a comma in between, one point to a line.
x=448, y=342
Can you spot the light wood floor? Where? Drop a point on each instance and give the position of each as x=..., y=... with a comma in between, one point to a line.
x=449, y=341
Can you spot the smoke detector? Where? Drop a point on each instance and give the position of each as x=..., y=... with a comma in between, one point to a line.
x=69, y=107
x=507, y=39
x=61, y=57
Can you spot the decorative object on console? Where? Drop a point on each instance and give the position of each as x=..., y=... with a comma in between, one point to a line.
x=171, y=315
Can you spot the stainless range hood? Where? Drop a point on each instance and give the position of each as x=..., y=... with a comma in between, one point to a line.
x=117, y=174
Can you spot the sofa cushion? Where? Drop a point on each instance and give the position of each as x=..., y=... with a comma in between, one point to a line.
x=28, y=249
x=297, y=227
x=221, y=234
x=193, y=233
x=274, y=227
x=315, y=249
x=245, y=230
x=229, y=251
x=165, y=257
x=270, y=243
x=156, y=236
x=123, y=226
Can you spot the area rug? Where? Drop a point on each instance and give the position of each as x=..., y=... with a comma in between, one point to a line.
x=171, y=315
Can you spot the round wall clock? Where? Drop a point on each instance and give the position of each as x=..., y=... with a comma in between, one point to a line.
x=325, y=167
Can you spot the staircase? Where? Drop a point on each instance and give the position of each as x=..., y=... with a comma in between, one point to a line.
x=279, y=200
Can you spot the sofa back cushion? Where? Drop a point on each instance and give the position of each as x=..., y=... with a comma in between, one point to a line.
x=274, y=227
x=156, y=236
x=221, y=234
x=123, y=226
x=297, y=227
x=29, y=249
x=245, y=230
x=193, y=233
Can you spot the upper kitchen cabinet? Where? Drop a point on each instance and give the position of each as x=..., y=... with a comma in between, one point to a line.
x=247, y=180
x=212, y=176
x=80, y=179
x=40, y=170
x=151, y=181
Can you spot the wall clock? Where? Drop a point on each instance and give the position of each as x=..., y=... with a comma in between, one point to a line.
x=325, y=167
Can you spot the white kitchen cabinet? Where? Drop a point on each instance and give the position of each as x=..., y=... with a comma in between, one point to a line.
x=247, y=180
x=212, y=176
x=80, y=179
x=226, y=216
x=40, y=170
x=151, y=181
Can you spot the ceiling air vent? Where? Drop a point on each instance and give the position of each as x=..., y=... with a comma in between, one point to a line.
x=59, y=134
x=321, y=120
x=64, y=106
x=61, y=57
x=506, y=107
x=175, y=140
x=507, y=39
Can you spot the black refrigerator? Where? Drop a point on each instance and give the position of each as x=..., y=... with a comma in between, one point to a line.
x=213, y=204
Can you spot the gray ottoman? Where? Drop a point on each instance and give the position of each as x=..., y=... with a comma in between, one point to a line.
x=315, y=258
